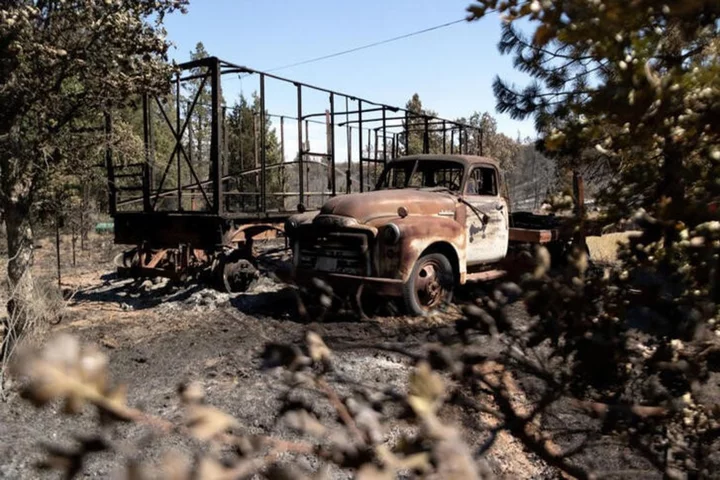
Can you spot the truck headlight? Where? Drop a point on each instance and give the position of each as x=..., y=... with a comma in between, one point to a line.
x=391, y=234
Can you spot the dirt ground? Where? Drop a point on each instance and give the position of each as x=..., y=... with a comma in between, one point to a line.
x=158, y=335
x=604, y=249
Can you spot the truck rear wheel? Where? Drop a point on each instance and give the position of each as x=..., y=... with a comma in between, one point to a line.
x=430, y=285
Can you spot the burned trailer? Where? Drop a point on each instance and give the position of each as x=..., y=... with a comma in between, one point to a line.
x=222, y=170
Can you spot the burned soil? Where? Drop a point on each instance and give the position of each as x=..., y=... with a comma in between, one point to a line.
x=158, y=335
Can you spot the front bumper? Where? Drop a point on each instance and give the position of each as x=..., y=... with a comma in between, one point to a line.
x=346, y=283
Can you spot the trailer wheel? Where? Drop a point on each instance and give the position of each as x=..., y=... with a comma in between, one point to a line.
x=126, y=263
x=430, y=285
x=236, y=273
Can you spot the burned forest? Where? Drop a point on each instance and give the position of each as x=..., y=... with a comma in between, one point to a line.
x=475, y=240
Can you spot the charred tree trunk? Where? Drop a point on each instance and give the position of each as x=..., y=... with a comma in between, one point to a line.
x=20, y=259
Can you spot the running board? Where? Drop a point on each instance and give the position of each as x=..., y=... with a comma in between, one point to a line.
x=485, y=276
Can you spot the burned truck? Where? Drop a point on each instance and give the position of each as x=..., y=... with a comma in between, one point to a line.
x=433, y=222
x=221, y=171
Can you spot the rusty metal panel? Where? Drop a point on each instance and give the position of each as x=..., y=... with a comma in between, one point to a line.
x=253, y=231
x=487, y=217
x=384, y=203
x=424, y=231
x=485, y=276
x=157, y=256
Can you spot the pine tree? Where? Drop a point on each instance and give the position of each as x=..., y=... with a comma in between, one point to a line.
x=635, y=81
x=416, y=125
x=199, y=126
x=244, y=156
x=634, y=86
x=486, y=139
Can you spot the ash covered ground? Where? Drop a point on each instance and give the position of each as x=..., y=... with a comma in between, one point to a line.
x=158, y=335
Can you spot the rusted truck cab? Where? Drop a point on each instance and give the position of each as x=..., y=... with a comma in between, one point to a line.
x=432, y=222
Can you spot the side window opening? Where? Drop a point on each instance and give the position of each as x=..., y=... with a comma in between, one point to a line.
x=399, y=177
x=482, y=181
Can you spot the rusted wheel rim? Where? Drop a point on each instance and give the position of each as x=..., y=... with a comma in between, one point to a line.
x=429, y=284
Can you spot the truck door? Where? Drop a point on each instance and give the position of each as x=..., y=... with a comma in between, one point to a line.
x=487, y=217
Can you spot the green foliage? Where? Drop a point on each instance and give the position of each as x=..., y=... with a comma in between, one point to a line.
x=200, y=118
x=638, y=83
x=490, y=143
x=416, y=128
x=56, y=77
x=244, y=139
x=64, y=63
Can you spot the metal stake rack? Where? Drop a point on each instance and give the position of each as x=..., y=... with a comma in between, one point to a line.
x=195, y=199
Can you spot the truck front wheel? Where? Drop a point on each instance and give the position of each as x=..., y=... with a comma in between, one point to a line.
x=430, y=285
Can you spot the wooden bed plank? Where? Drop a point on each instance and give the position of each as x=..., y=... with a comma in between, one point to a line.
x=526, y=235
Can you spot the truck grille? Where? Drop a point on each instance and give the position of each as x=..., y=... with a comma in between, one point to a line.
x=334, y=253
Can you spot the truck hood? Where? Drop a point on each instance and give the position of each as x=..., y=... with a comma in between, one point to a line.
x=369, y=206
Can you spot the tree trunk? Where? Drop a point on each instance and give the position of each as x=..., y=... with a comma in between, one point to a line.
x=20, y=259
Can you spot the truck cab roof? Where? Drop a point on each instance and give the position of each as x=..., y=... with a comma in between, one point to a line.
x=466, y=160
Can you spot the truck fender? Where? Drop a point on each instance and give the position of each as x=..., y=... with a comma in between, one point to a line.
x=418, y=234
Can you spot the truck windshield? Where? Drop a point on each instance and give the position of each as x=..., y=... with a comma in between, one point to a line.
x=422, y=174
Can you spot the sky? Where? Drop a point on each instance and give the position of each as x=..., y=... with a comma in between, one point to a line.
x=452, y=69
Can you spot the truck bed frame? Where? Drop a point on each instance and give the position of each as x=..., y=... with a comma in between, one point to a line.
x=193, y=209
